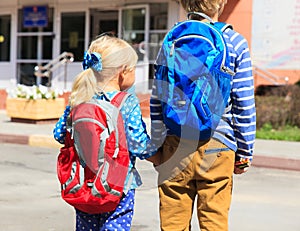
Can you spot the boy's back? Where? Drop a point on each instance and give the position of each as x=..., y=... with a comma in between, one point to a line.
x=193, y=78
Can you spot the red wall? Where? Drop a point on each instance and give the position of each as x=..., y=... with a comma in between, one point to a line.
x=239, y=14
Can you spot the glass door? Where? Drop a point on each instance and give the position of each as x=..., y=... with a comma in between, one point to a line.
x=103, y=21
x=34, y=47
x=134, y=28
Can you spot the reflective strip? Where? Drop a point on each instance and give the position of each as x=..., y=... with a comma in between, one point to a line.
x=104, y=183
x=89, y=120
x=103, y=136
x=72, y=176
x=95, y=192
x=109, y=190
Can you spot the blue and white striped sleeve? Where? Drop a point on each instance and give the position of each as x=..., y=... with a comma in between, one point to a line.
x=243, y=101
x=158, y=128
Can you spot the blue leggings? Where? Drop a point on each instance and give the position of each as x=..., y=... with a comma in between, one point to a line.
x=119, y=220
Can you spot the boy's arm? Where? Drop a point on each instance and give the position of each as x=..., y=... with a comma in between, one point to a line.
x=158, y=128
x=243, y=108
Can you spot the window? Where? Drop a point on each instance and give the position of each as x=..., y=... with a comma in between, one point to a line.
x=103, y=21
x=158, y=27
x=34, y=46
x=72, y=34
x=5, y=23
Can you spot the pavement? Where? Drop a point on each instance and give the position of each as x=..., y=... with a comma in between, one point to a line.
x=267, y=153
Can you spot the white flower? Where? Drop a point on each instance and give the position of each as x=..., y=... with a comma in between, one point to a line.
x=32, y=92
x=43, y=89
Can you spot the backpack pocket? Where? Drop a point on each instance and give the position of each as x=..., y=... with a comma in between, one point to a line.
x=70, y=172
x=111, y=176
x=64, y=163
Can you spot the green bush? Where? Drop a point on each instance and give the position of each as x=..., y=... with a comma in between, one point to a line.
x=279, y=107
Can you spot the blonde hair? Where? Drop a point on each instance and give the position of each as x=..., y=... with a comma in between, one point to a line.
x=116, y=55
x=208, y=7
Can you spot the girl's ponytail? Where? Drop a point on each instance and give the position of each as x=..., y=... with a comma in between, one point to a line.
x=84, y=87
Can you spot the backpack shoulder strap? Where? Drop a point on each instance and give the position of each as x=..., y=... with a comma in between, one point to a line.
x=119, y=99
x=222, y=26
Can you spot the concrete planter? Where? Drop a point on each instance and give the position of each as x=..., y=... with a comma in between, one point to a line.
x=41, y=109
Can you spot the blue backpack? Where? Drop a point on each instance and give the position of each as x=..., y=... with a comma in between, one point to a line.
x=193, y=78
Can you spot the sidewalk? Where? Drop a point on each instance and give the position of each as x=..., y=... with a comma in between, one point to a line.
x=268, y=153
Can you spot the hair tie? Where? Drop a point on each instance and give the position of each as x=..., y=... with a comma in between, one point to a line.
x=93, y=61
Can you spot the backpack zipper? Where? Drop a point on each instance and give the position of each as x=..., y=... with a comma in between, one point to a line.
x=190, y=36
x=223, y=67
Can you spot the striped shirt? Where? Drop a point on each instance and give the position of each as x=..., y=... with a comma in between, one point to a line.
x=238, y=125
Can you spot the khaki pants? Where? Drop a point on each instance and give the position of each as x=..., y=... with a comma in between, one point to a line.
x=204, y=176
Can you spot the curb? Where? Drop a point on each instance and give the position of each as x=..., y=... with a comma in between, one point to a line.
x=46, y=141
x=43, y=141
x=276, y=162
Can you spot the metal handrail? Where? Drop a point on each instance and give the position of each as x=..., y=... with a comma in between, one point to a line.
x=46, y=70
x=269, y=76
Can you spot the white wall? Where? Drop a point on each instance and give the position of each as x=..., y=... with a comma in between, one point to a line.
x=276, y=34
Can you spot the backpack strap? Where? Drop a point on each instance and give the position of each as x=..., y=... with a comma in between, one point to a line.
x=119, y=99
x=223, y=26
x=202, y=15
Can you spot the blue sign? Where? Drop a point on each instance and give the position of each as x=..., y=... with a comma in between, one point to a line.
x=35, y=16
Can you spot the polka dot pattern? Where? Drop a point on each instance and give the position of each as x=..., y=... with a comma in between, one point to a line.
x=118, y=220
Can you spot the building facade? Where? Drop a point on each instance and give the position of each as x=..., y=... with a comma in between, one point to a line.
x=35, y=32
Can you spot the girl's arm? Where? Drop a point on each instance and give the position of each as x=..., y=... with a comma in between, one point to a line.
x=138, y=141
x=60, y=129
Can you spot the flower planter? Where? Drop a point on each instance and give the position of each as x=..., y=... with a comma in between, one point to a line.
x=34, y=110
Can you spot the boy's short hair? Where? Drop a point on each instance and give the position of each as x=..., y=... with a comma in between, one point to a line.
x=208, y=7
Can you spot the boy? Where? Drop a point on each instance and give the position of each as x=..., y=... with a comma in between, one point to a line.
x=203, y=172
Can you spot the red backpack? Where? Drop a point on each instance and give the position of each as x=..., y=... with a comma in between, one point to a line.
x=93, y=164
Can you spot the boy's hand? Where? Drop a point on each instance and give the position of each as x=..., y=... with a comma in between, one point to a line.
x=242, y=166
x=155, y=159
x=240, y=171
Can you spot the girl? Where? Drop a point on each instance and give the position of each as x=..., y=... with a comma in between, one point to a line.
x=109, y=67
